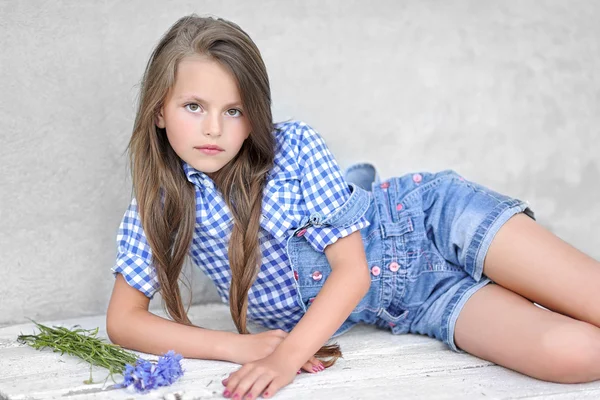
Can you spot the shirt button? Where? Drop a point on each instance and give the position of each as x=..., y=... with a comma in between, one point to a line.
x=301, y=233
x=394, y=266
x=385, y=185
x=375, y=270
x=399, y=206
x=317, y=275
x=417, y=178
x=296, y=275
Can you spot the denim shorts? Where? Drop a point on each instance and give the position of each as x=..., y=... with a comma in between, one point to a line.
x=432, y=233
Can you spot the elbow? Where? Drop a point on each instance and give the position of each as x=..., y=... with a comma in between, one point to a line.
x=112, y=328
x=115, y=327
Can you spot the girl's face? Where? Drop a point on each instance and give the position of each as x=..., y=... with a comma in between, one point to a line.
x=203, y=115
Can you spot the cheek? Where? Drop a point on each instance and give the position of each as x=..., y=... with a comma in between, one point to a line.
x=242, y=127
x=175, y=140
x=179, y=129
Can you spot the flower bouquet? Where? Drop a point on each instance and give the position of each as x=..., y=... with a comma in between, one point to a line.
x=138, y=374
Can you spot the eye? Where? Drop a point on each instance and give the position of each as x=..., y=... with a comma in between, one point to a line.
x=234, y=112
x=193, y=107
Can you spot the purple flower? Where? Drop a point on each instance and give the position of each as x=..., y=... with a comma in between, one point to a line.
x=146, y=375
x=168, y=369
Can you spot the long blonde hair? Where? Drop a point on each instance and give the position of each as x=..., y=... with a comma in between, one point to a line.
x=166, y=199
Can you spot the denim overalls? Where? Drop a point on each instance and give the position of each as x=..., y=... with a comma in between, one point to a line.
x=425, y=247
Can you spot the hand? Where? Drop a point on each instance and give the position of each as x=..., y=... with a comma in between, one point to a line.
x=254, y=347
x=265, y=376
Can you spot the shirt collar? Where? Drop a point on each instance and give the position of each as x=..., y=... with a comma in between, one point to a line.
x=196, y=177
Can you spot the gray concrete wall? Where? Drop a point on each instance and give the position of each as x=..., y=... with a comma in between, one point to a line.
x=507, y=93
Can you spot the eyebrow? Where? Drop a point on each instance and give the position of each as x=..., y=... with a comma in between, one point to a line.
x=202, y=101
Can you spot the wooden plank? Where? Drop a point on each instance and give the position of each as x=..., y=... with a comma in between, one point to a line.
x=376, y=364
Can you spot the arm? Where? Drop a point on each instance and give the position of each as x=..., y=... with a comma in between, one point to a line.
x=347, y=284
x=130, y=324
x=128, y=321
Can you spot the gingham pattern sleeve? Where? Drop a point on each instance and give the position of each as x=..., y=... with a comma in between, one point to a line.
x=324, y=189
x=134, y=256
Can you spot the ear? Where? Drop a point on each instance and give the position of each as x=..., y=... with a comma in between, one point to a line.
x=160, y=119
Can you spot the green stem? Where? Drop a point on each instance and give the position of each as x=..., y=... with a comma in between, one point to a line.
x=81, y=343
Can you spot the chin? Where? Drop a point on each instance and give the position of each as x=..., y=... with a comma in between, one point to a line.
x=207, y=170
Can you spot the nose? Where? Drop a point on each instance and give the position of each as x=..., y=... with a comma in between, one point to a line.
x=212, y=125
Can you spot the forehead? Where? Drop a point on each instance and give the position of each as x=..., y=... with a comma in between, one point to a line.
x=206, y=78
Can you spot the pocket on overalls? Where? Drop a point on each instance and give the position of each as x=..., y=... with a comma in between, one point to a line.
x=394, y=229
x=428, y=274
x=311, y=277
x=310, y=281
x=428, y=271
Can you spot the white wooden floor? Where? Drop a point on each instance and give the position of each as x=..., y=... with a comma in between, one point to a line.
x=376, y=365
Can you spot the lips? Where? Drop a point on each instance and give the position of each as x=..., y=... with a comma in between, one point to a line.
x=209, y=147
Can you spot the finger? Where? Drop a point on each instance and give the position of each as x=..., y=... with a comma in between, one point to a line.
x=259, y=386
x=313, y=366
x=273, y=387
x=317, y=363
x=246, y=383
x=235, y=378
x=225, y=380
x=317, y=366
x=308, y=367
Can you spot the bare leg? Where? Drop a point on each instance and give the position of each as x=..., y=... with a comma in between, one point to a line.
x=529, y=260
x=500, y=326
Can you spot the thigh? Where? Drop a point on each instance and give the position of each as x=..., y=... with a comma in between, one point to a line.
x=527, y=259
x=500, y=326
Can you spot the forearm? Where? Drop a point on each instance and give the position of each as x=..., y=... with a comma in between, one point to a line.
x=143, y=331
x=347, y=284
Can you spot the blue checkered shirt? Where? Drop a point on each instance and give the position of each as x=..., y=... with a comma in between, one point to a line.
x=305, y=180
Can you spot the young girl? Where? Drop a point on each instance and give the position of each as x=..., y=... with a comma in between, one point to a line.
x=295, y=245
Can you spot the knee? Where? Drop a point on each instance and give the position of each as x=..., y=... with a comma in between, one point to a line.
x=571, y=354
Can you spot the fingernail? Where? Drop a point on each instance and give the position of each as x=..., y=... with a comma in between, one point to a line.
x=236, y=396
x=299, y=371
x=315, y=369
x=224, y=381
x=265, y=394
x=226, y=393
x=322, y=366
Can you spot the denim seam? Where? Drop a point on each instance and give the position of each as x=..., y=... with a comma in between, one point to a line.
x=409, y=198
x=392, y=217
x=292, y=254
x=453, y=311
x=340, y=219
x=477, y=188
x=481, y=239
